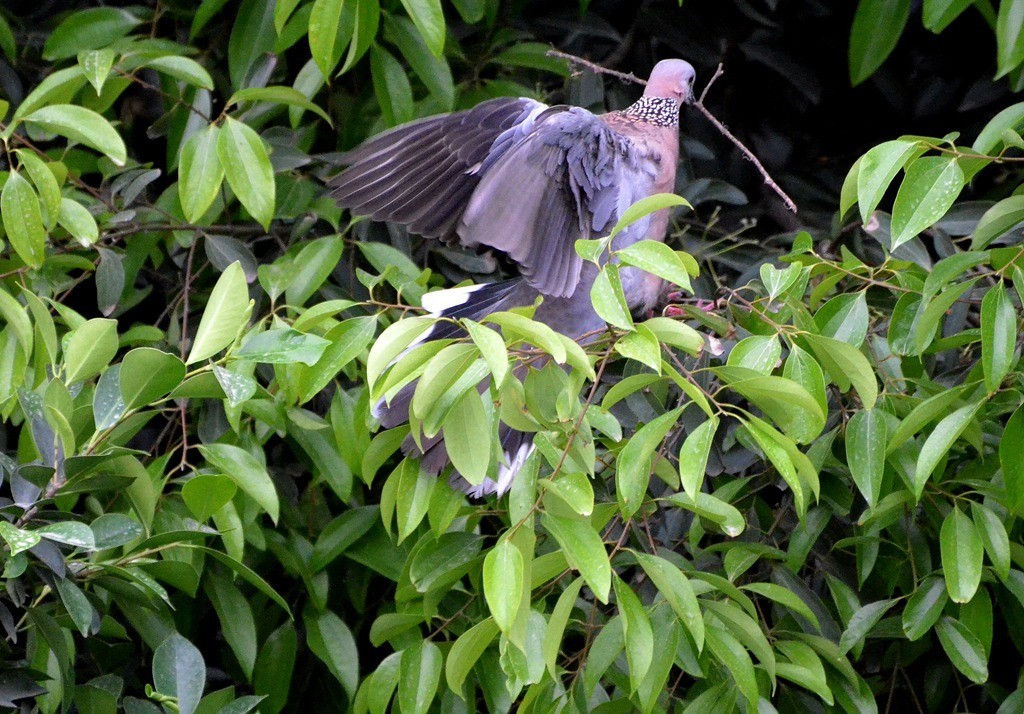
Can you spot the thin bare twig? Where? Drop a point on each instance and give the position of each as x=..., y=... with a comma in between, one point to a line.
x=699, y=106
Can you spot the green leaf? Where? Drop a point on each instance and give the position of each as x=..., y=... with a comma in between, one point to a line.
x=394, y=93
x=17, y=539
x=575, y=489
x=466, y=651
x=997, y=221
x=277, y=95
x=89, y=349
x=634, y=462
x=609, y=300
x=990, y=137
x=642, y=346
x=96, y=66
x=7, y=45
x=201, y=173
x=998, y=335
x=845, y=318
x=993, y=537
x=677, y=591
x=247, y=168
x=182, y=68
x=179, y=671
x=503, y=583
x=76, y=220
x=725, y=515
x=70, y=533
x=283, y=346
x=148, y=374
x=636, y=629
x=693, y=456
x=760, y=353
x=77, y=605
x=247, y=472
x=866, y=438
x=783, y=400
x=206, y=494
x=877, y=26
x=964, y=649
x=225, y=315
x=645, y=207
x=397, y=338
x=658, y=259
x=252, y=38
x=878, y=167
x=962, y=554
x=16, y=316
x=23, y=219
x=731, y=653
x=939, y=442
x=107, y=405
x=1011, y=459
x=347, y=341
x=1009, y=37
x=583, y=550
x=862, y=622
x=938, y=14
x=675, y=333
x=420, y=672
x=82, y=125
x=432, y=70
x=492, y=348
x=924, y=608
x=429, y=20
x=88, y=29
x=846, y=365
x=467, y=439
x=351, y=525
x=45, y=183
x=928, y=190
x=324, y=43
x=784, y=597
x=330, y=640
x=275, y=665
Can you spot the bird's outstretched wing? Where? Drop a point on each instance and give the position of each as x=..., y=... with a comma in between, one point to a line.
x=512, y=174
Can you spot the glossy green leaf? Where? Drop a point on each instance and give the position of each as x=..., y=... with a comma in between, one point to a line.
x=964, y=650
x=636, y=629
x=998, y=335
x=1011, y=458
x=89, y=349
x=634, y=463
x=201, y=173
x=429, y=20
x=503, y=582
x=247, y=472
x=23, y=219
x=82, y=125
x=584, y=551
x=677, y=591
x=148, y=374
x=928, y=190
x=877, y=26
x=179, y=671
x=940, y=441
x=608, y=299
x=420, y=673
x=1009, y=36
x=866, y=438
x=878, y=167
x=962, y=551
x=247, y=168
x=226, y=313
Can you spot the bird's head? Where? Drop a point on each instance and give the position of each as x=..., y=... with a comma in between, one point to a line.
x=672, y=79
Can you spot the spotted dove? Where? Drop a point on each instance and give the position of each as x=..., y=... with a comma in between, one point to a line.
x=529, y=180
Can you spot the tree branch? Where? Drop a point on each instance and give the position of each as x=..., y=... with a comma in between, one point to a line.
x=575, y=61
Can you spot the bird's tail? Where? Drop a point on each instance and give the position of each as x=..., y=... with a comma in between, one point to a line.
x=474, y=302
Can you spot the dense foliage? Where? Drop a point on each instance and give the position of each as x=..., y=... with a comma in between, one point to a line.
x=803, y=493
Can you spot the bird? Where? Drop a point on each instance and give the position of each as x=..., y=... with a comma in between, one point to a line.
x=527, y=179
